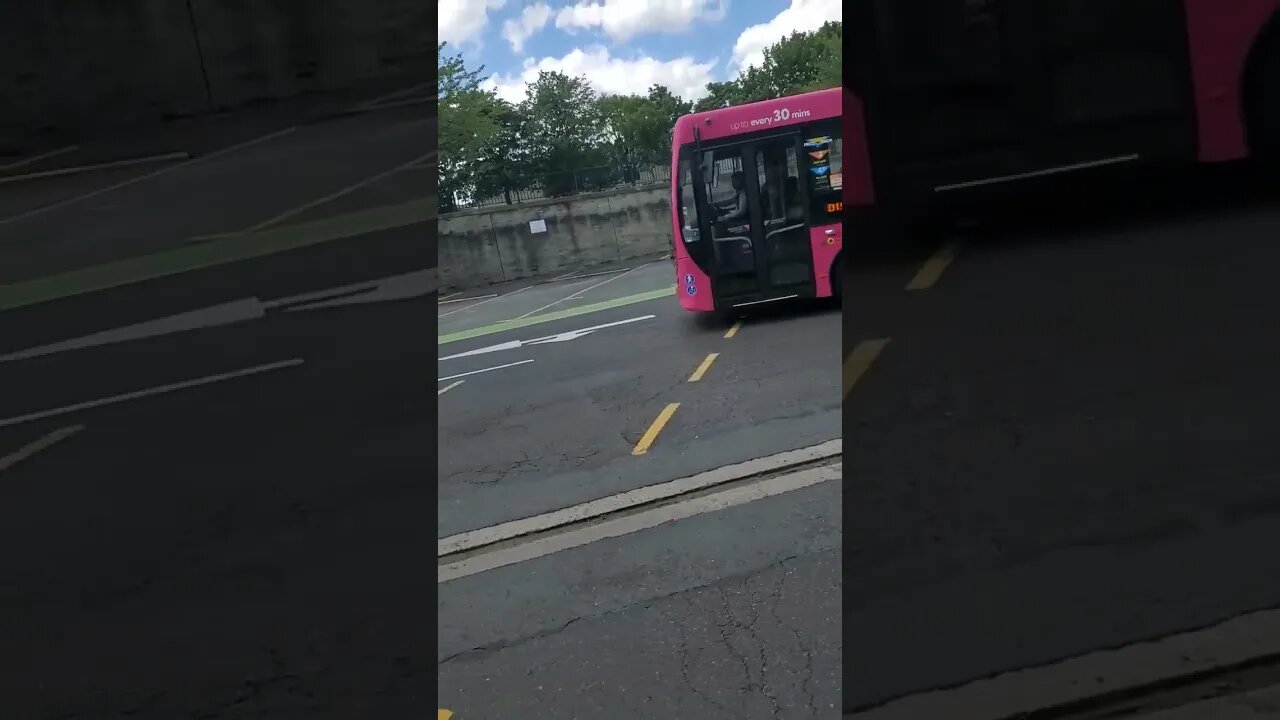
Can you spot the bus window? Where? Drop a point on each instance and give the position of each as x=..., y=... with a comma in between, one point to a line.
x=825, y=162
x=786, y=239
x=688, y=209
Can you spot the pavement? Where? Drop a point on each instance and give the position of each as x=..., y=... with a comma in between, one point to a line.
x=1063, y=437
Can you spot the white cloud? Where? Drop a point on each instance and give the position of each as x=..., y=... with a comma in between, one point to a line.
x=684, y=76
x=462, y=21
x=800, y=16
x=532, y=19
x=624, y=19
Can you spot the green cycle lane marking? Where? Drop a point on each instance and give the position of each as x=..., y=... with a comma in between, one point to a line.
x=220, y=251
x=557, y=315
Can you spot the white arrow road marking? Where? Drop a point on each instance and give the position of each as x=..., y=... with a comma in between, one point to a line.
x=398, y=287
x=214, y=316
x=485, y=370
x=559, y=337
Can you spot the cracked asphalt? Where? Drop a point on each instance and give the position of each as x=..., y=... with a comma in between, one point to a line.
x=668, y=623
x=1069, y=443
x=731, y=614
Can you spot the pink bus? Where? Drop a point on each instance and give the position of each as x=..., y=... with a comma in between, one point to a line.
x=948, y=100
x=756, y=202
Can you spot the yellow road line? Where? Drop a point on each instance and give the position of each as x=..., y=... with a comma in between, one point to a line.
x=933, y=268
x=859, y=360
x=702, y=368
x=442, y=714
x=651, y=434
x=40, y=445
x=733, y=330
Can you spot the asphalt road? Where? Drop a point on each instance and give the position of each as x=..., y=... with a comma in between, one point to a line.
x=210, y=522
x=559, y=428
x=1068, y=443
x=228, y=519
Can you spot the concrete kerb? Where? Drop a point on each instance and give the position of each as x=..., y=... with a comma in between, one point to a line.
x=1101, y=679
x=648, y=495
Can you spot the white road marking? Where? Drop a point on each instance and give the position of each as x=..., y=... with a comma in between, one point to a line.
x=44, y=443
x=397, y=287
x=558, y=337
x=477, y=372
x=38, y=158
x=465, y=299
x=473, y=539
x=578, y=295
x=449, y=387
x=446, y=297
x=159, y=390
x=571, y=276
x=643, y=520
x=154, y=174
x=396, y=94
x=224, y=314
x=77, y=169
x=495, y=297
x=337, y=194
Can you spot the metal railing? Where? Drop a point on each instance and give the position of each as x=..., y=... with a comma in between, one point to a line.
x=564, y=184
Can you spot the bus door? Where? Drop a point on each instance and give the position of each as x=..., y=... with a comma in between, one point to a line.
x=755, y=199
x=965, y=92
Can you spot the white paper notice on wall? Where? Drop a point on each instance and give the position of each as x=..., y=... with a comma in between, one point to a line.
x=537, y=226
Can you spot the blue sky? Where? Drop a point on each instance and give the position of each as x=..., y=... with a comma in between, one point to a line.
x=622, y=46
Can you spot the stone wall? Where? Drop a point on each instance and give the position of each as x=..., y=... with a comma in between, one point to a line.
x=495, y=244
x=73, y=66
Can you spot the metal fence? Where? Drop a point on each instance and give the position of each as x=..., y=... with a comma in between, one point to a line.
x=568, y=184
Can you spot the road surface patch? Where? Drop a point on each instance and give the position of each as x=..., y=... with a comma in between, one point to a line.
x=642, y=519
x=856, y=365
x=32, y=449
x=148, y=392
x=933, y=268
x=217, y=252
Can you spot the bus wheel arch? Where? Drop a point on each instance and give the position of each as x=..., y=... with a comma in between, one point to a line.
x=1260, y=97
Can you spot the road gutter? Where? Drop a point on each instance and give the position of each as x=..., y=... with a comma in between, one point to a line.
x=1088, y=685
x=758, y=469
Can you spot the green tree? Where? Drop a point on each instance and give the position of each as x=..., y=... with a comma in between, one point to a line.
x=469, y=120
x=563, y=131
x=801, y=62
